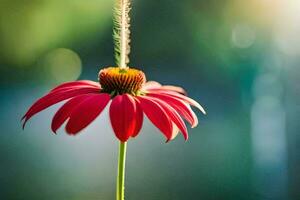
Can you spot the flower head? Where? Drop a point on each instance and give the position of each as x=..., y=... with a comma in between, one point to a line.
x=131, y=97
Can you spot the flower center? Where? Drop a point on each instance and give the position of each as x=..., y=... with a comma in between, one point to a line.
x=115, y=80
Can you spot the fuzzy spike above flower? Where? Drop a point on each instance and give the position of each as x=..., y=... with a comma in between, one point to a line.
x=130, y=95
x=121, y=32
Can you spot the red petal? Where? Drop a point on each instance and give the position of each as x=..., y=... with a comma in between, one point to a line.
x=156, y=115
x=151, y=85
x=64, y=89
x=174, y=89
x=65, y=111
x=122, y=116
x=138, y=119
x=174, y=116
x=175, y=131
x=53, y=98
x=180, y=106
x=155, y=85
x=81, y=83
x=180, y=96
x=86, y=112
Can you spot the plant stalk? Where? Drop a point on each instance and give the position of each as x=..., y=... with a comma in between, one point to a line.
x=122, y=49
x=121, y=171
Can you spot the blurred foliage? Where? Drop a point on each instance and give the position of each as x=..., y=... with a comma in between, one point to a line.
x=29, y=29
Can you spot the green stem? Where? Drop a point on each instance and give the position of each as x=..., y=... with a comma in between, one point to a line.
x=121, y=171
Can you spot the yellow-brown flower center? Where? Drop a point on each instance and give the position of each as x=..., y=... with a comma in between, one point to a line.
x=119, y=81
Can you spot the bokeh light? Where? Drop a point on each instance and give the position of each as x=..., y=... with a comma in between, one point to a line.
x=61, y=65
x=243, y=36
x=287, y=28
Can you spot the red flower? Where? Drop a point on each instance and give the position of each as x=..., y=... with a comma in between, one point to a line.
x=130, y=97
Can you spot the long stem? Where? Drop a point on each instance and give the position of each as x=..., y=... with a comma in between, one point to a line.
x=121, y=171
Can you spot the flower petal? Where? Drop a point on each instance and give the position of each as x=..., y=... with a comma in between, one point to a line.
x=81, y=83
x=174, y=116
x=138, y=119
x=180, y=96
x=86, y=112
x=122, y=116
x=174, y=89
x=175, y=131
x=156, y=115
x=180, y=106
x=65, y=111
x=155, y=85
x=151, y=85
x=53, y=98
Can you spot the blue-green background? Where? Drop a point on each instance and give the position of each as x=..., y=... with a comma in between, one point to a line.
x=239, y=59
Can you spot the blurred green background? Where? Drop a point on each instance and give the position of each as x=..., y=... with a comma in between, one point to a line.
x=239, y=58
